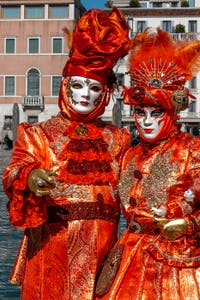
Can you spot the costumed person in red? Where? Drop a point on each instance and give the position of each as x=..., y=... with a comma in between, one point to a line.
x=62, y=178
x=158, y=255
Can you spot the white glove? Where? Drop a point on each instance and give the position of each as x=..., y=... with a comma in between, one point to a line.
x=160, y=212
x=189, y=195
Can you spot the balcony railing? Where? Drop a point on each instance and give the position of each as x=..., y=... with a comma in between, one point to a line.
x=187, y=36
x=33, y=102
x=190, y=115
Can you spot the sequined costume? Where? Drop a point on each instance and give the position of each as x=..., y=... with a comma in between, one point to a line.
x=69, y=232
x=153, y=267
x=152, y=262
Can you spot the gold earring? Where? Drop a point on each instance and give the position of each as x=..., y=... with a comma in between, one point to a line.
x=97, y=101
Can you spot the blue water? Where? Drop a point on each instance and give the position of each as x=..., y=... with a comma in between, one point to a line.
x=10, y=239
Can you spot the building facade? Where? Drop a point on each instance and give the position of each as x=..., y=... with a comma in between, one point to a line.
x=33, y=51
x=182, y=23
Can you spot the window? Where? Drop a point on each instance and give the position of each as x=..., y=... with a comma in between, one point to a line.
x=141, y=25
x=9, y=85
x=56, y=80
x=120, y=79
x=174, y=4
x=167, y=26
x=32, y=119
x=33, y=83
x=192, y=26
x=10, y=12
x=8, y=122
x=34, y=12
x=57, y=45
x=9, y=45
x=192, y=107
x=33, y=45
x=58, y=11
x=193, y=83
x=143, y=4
x=157, y=4
x=191, y=3
x=130, y=23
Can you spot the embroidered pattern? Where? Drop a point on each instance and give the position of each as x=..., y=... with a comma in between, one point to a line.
x=154, y=184
x=126, y=182
x=159, y=178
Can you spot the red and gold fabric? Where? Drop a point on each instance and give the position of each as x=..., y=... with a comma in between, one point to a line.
x=153, y=267
x=69, y=232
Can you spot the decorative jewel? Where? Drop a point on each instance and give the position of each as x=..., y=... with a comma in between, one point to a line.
x=137, y=174
x=40, y=182
x=180, y=100
x=98, y=101
x=138, y=94
x=155, y=83
x=135, y=227
x=132, y=202
x=81, y=129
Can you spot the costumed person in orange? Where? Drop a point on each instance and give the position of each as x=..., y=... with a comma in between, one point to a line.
x=158, y=255
x=62, y=178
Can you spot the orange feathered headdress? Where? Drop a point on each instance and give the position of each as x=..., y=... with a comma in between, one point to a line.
x=159, y=69
x=98, y=41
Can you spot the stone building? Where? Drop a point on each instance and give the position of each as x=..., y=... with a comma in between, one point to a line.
x=33, y=51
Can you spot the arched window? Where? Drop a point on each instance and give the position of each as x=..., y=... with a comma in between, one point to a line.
x=33, y=83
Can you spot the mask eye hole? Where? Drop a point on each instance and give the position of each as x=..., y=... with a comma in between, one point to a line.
x=76, y=85
x=157, y=113
x=95, y=88
x=140, y=112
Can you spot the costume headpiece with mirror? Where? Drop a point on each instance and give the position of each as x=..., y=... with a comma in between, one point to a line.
x=159, y=69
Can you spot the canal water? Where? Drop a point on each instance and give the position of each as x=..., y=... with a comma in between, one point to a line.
x=10, y=239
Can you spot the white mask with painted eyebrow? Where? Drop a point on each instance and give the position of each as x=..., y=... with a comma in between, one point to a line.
x=150, y=120
x=85, y=94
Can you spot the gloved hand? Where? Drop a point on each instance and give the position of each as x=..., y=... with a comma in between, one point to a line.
x=41, y=181
x=189, y=195
x=172, y=228
x=160, y=212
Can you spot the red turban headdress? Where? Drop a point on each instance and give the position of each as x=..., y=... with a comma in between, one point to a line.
x=98, y=41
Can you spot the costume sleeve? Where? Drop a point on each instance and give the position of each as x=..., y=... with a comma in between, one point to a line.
x=178, y=207
x=25, y=208
x=194, y=172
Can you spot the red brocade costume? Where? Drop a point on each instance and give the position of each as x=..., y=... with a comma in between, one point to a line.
x=69, y=231
x=151, y=266
x=158, y=255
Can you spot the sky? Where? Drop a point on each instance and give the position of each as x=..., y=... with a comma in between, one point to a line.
x=100, y=4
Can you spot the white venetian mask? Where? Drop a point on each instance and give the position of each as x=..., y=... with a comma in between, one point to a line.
x=150, y=120
x=85, y=94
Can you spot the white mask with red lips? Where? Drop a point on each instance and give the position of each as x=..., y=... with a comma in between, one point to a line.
x=149, y=121
x=84, y=94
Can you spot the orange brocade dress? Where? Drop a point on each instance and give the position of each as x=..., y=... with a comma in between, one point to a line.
x=68, y=233
x=152, y=267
